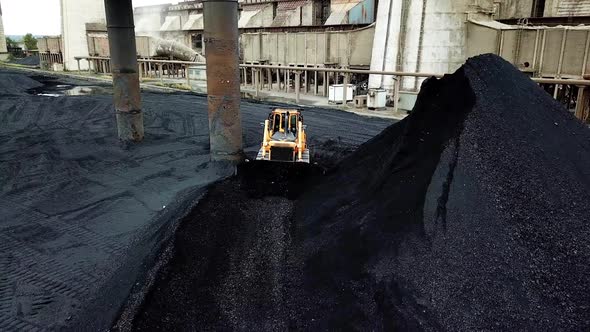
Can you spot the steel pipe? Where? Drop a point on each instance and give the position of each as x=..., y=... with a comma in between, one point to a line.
x=223, y=79
x=127, y=98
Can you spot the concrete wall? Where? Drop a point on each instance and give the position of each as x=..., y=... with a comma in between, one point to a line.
x=570, y=8
x=2, y=37
x=50, y=44
x=148, y=22
x=307, y=14
x=524, y=8
x=342, y=48
x=555, y=52
x=74, y=16
x=515, y=9
x=263, y=18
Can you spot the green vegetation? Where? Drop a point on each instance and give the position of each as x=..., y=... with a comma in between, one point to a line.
x=10, y=43
x=30, y=41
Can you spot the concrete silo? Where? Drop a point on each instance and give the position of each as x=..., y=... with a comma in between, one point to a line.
x=421, y=36
x=74, y=16
x=3, y=50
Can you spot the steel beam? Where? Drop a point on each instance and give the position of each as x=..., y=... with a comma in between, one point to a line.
x=223, y=79
x=127, y=98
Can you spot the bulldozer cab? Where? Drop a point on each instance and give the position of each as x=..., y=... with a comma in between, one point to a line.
x=285, y=122
x=284, y=125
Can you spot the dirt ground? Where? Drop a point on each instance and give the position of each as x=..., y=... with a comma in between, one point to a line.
x=82, y=216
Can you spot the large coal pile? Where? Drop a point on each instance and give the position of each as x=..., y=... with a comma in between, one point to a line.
x=470, y=214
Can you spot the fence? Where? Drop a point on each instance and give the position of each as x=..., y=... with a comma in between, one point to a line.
x=573, y=93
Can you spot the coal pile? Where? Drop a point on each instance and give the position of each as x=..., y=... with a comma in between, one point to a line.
x=16, y=84
x=32, y=61
x=470, y=214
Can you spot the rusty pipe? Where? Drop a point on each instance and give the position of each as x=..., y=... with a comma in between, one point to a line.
x=127, y=98
x=223, y=79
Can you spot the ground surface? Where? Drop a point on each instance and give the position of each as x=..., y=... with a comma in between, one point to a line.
x=470, y=214
x=81, y=215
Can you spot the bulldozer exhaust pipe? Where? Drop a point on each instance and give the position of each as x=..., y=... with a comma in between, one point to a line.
x=223, y=79
x=127, y=98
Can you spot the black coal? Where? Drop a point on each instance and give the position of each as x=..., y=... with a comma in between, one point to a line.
x=470, y=214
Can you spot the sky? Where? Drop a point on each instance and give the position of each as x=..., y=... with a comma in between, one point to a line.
x=42, y=17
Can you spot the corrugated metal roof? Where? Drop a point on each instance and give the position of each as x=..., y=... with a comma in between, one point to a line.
x=195, y=22
x=171, y=23
x=573, y=8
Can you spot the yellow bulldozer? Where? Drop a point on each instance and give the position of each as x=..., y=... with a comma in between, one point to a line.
x=284, y=137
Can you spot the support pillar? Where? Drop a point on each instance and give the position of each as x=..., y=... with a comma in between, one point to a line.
x=78, y=61
x=127, y=98
x=582, y=111
x=345, y=90
x=287, y=80
x=306, y=88
x=325, y=86
x=188, y=78
x=223, y=79
x=297, y=86
x=256, y=86
x=396, y=88
x=315, y=83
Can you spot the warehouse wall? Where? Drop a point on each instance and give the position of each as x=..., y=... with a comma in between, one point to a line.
x=571, y=8
x=515, y=9
x=542, y=51
x=344, y=48
x=74, y=16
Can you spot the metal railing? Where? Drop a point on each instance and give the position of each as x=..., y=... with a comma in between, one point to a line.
x=306, y=79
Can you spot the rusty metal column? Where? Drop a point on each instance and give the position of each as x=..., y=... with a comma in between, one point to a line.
x=127, y=98
x=223, y=79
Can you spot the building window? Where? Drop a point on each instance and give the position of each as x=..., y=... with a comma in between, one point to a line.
x=538, y=8
x=197, y=42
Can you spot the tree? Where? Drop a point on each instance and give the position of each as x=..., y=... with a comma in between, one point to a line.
x=10, y=43
x=30, y=42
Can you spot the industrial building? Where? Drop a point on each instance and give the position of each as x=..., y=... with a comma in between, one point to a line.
x=388, y=35
x=128, y=204
x=3, y=49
